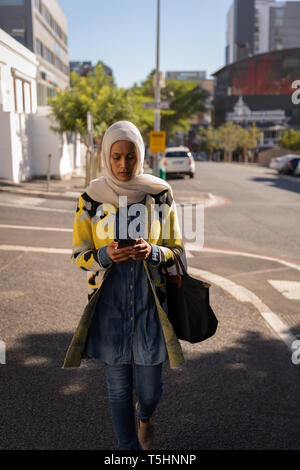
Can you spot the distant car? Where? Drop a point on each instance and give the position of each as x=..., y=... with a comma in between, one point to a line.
x=278, y=162
x=290, y=166
x=297, y=169
x=200, y=157
x=178, y=161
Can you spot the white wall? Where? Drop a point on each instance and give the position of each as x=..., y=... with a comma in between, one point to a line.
x=5, y=146
x=25, y=136
x=18, y=68
x=45, y=142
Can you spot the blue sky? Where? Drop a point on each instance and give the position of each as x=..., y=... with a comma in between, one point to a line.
x=122, y=33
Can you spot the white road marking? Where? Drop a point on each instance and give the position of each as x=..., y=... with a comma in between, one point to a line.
x=10, y=294
x=50, y=209
x=31, y=201
x=15, y=259
x=242, y=294
x=37, y=249
x=34, y=227
x=200, y=248
x=290, y=289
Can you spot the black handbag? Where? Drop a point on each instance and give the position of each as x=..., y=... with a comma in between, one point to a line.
x=189, y=311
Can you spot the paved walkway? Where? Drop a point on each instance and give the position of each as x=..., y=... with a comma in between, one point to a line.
x=72, y=188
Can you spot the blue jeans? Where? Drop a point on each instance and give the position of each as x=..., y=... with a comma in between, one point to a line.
x=121, y=381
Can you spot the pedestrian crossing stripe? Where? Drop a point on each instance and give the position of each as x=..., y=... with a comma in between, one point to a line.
x=289, y=289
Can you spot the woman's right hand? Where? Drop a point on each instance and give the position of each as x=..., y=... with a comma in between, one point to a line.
x=118, y=254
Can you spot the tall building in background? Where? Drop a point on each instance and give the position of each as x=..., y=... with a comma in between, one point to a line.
x=259, y=26
x=83, y=68
x=41, y=26
x=186, y=75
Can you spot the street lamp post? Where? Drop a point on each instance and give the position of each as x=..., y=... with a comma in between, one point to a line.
x=157, y=89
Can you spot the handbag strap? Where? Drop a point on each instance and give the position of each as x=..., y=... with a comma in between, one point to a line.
x=173, y=346
x=178, y=260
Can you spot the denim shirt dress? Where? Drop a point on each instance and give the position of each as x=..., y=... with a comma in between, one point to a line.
x=125, y=327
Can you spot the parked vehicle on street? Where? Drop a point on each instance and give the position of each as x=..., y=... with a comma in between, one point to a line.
x=178, y=161
x=290, y=165
x=200, y=157
x=297, y=169
x=278, y=162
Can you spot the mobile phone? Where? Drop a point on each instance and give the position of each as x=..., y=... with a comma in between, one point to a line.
x=126, y=242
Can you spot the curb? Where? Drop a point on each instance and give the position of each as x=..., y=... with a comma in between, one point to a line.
x=72, y=196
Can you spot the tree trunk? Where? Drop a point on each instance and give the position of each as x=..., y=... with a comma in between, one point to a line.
x=87, y=166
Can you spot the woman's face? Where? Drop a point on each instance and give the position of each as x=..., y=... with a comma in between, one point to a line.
x=123, y=159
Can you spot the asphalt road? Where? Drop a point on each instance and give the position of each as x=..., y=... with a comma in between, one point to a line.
x=238, y=390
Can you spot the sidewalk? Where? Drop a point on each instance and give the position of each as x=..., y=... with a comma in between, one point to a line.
x=58, y=189
x=71, y=189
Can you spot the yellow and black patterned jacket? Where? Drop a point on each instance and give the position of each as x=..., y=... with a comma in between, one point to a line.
x=94, y=228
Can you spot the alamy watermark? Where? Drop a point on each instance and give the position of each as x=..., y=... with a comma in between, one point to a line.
x=2, y=352
x=296, y=94
x=160, y=220
x=296, y=354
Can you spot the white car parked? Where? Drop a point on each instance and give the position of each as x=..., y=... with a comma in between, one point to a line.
x=278, y=162
x=178, y=161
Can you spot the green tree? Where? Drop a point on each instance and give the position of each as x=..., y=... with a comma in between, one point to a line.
x=290, y=139
x=211, y=139
x=229, y=135
x=97, y=93
x=186, y=99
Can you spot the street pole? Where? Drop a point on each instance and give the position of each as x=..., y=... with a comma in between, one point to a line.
x=157, y=89
x=90, y=126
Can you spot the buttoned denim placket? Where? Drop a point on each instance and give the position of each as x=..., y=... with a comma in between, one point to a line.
x=131, y=296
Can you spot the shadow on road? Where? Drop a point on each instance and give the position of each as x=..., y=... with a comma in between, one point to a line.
x=243, y=397
x=280, y=182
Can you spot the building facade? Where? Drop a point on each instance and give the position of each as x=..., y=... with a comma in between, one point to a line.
x=83, y=68
x=259, y=90
x=41, y=26
x=194, y=76
x=258, y=26
x=25, y=136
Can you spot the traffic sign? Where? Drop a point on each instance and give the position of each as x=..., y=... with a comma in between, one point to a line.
x=153, y=105
x=157, y=141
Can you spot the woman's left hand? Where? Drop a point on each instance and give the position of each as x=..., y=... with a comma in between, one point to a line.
x=141, y=250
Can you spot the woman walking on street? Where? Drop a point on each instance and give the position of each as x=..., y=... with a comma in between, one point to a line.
x=124, y=228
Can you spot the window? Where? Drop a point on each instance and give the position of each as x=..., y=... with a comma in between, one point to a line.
x=57, y=49
x=49, y=56
x=279, y=12
x=278, y=21
x=22, y=89
x=19, y=36
x=19, y=95
x=41, y=95
x=11, y=3
x=177, y=154
x=27, y=97
x=38, y=5
x=39, y=47
x=51, y=92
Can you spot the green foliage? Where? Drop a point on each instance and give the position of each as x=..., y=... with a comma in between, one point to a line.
x=96, y=93
x=211, y=138
x=229, y=137
x=290, y=139
x=186, y=99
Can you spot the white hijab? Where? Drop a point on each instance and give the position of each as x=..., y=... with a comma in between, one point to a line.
x=108, y=188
